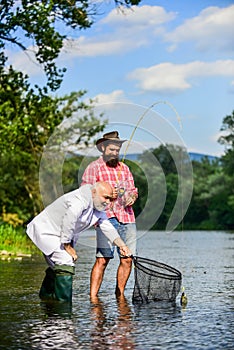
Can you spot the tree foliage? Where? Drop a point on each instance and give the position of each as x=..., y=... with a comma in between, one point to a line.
x=212, y=202
x=227, y=139
x=42, y=27
x=30, y=115
x=28, y=118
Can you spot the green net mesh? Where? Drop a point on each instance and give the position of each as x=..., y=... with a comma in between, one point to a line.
x=155, y=281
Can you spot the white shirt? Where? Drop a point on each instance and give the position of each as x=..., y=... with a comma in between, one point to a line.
x=64, y=219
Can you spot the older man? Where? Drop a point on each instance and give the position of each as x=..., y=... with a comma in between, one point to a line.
x=120, y=213
x=56, y=229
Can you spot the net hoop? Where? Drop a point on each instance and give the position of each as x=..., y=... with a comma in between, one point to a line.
x=173, y=275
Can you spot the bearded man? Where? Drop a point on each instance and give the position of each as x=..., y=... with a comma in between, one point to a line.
x=120, y=213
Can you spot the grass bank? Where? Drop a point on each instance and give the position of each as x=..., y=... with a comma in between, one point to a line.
x=15, y=242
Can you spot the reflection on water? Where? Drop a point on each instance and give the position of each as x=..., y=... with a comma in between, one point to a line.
x=53, y=333
x=112, y=335
x=54, y=309
x=206, y=262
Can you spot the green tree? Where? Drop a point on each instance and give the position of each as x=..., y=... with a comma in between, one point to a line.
x=227, y=139
x=28, y=118
x=220, y=211
x=29, y=115
x=43, y=26
x=169, y=176
x=164, y=154
x=198, y=213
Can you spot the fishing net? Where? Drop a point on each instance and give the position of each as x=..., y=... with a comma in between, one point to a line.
x=155, y=281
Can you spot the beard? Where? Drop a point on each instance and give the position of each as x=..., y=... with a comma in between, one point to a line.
x=110, y=161
x=98, y=205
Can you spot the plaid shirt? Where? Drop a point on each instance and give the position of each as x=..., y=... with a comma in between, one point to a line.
x=119, y=177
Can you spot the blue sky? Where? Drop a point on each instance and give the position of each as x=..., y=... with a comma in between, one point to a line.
x=176, y=51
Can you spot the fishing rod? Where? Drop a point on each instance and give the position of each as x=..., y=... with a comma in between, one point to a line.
x=138, y=123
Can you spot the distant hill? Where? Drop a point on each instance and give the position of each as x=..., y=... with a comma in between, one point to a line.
x=193, y=156
x=199, y=156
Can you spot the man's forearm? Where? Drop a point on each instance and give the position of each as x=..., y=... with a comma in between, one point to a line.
x=119, y=242
x=70, y=250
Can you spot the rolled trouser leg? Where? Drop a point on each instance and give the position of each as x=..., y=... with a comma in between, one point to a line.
x=63, y=282
x=47, y=289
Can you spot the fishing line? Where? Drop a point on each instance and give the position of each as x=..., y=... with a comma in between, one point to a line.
x=142, y=117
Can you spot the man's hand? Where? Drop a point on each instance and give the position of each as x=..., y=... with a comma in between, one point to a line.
x=125, y=251
x=130, y=200
x=71, y=251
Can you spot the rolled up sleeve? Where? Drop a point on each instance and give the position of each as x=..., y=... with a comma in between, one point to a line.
x=108, y=229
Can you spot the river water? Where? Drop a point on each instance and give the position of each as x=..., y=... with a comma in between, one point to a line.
x=205, y=260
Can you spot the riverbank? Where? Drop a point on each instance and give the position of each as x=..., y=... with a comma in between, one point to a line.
x=15, y=244
x=8, y=255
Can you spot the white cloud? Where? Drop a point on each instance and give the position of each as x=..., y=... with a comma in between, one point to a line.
x=117, y=33
x=139, y=17
x=121, y=32
x=113, y=97
x=173, y=78
x=124, y=31
x=211, y=29
x=100, y=46
x=24, y=61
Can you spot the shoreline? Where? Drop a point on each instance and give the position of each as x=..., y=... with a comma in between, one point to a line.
x=6, y=255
